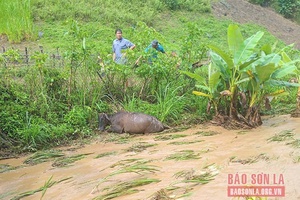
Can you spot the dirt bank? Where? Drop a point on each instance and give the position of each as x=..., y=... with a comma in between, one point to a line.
x=244, y=12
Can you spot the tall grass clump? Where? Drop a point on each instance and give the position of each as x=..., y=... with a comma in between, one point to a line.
x=15, y=20
x=105, y=12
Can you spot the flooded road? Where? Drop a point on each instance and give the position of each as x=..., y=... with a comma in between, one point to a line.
x=195, y=163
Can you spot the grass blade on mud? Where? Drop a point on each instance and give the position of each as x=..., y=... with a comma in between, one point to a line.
x=48, y=184
x=139, y=147
x=184, y=155
x=43, y=156
x=65, y=161
x=282, y=136
x=101, y=155
x=125, y=188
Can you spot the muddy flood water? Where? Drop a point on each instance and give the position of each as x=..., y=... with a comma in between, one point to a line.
x=197, y=163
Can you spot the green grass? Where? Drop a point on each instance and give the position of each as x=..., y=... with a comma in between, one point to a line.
x=139, y=167
x=117, y=138
x=43, y=156
x=177, y=129
x=125, y=188
x=139, y=147
x=185, y=142
x=186, y=182
x=48, y=184
x=127, y=161
x=190, y=177
x=169, y=137
x=296, y=159
x=295, y=143
x=19, y=25
x=106, y=154
x=6, y=167
x=250, y=160
x=67, y=161
x=282, y=136
x=184, y=155
x=207, y=133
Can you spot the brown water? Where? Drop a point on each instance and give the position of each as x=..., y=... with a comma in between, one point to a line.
x=227, y=150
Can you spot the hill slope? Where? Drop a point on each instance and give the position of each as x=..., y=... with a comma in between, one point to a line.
x=244, y=12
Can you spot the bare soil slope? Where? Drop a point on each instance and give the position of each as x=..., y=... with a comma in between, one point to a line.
x=244, y=12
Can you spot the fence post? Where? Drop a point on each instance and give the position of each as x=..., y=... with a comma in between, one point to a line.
x=26, y=56
x=41, y=49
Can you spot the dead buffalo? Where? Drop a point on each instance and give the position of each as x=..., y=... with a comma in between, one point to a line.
x=128, y=122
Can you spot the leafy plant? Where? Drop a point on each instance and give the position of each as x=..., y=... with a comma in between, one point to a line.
x=289, y=8
x=239, y=78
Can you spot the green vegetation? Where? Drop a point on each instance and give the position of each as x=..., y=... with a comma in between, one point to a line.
x=16, y=20
x=111, y=153
x=125, y=188
x=286, y=135
x=43, y=156
x=185, y=142
x=189, y=176
x=66, y=161
x=282, y=136
x=169, y=137
x=184, y=155
x=250, y=160
x=287, y=8
x=117, y=138
x=48, y=102
x=48, y=184
x=295, y=143
x=138, y=166
x=237, y=81
x=139, y=147
x=188, y=179
x=5, y=168
x=207, y=133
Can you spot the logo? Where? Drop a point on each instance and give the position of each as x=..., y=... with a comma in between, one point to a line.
x=256, y=185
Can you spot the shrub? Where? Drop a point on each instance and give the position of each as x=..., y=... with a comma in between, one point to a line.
x=289, y=8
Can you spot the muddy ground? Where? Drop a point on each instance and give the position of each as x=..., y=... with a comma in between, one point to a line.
x=244, y=12
x=172, y=165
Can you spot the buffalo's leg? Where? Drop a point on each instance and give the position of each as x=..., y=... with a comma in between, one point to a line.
x=116, y=129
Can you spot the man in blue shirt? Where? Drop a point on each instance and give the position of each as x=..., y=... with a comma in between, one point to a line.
x=120, y=44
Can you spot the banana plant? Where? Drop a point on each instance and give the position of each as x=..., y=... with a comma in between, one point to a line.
x=242, y=74
x=249, y=71
x=295, y=65
x=209, y=87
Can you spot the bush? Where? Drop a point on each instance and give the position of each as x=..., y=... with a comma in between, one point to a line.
x=289, y=8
